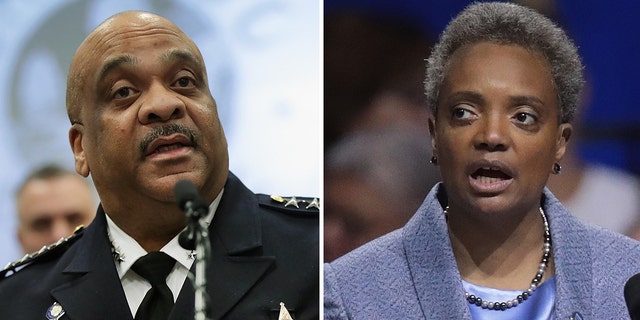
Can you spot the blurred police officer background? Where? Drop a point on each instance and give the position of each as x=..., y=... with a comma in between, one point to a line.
x=51, y=203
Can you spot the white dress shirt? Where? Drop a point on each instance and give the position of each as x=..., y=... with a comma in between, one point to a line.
x=135, y=287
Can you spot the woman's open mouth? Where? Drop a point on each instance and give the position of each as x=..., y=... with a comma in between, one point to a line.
x=490, y=177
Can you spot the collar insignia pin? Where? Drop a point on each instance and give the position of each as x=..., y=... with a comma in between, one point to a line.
x=55, y=311
x=284, y=313
x=292, y=202
x=117, y=256
x=314, y=204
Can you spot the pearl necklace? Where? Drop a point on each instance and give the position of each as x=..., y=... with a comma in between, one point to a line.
x=535, y=282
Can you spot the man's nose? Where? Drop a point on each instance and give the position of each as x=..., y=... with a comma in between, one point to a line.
x=161, y=104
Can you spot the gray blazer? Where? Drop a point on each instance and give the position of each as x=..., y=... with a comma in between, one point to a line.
x=411, y=273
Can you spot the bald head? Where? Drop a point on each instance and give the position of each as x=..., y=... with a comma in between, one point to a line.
x=111, y=33
x=143, y=118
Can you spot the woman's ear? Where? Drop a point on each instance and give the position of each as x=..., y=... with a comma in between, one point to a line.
x=75, y=139
x=432, y=132
x=564, y=133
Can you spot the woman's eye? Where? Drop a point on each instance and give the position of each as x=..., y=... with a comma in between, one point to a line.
x=462, y=114
x=525, y=118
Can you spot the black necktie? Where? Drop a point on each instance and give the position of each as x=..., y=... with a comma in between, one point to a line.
x=158, y=302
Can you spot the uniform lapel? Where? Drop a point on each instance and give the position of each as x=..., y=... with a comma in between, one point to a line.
x=95, y=291
x=237, y=262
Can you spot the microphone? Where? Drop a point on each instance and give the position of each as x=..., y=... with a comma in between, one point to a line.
x=195, y=208
x=632, y=296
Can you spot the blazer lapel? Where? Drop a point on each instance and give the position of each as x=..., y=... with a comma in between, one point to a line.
x=431, y=262
x=95, y=291
x=237, y=262
x=572, y=266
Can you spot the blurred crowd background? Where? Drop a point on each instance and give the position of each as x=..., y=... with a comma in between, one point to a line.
x=262, y=57
x=377, y=146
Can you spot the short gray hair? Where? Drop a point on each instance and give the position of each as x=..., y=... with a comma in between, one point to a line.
x=506, y=23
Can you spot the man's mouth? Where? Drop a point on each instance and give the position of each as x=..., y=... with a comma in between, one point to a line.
x=170, y=147
x=168, y=138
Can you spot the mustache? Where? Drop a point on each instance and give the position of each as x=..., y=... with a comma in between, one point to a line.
x=167, y=130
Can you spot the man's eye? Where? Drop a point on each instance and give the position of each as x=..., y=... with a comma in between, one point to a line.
x=122, y=93
x=41, y=225
x=184, y=82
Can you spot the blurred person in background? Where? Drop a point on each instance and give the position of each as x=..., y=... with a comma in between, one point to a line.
x=372, y=72
x=374, y=181
x=52, y=202
x=376, y=134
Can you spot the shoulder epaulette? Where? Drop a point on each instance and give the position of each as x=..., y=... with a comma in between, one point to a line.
x=293, y=205
x=44, y=253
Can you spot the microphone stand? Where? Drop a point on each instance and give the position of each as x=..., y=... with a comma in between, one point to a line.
x=203, y=252
x=196, y=226
x=196, y=236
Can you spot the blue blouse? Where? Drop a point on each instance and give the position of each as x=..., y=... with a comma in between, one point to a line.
x=539, y=306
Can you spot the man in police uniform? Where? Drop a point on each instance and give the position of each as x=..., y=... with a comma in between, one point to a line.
x=143, y=118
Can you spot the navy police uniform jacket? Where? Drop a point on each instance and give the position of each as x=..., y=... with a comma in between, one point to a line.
x=263, y=253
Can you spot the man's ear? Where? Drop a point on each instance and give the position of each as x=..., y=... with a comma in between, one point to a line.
x=76, y=135
x=564, y=133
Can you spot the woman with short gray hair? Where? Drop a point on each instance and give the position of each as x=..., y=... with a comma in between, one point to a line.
x=491, y=241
